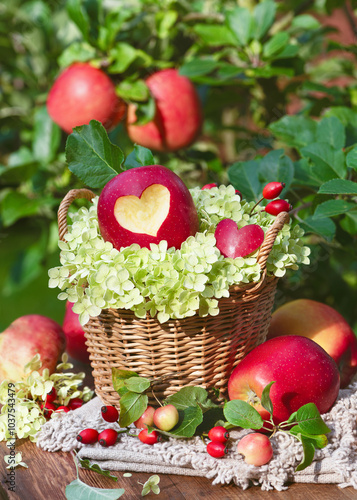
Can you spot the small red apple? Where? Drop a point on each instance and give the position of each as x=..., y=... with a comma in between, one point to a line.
x=233, y=242
x=256, y=449
x=303, y=373
x=23, y=339
x=166, y=417
x=146, y=419
x=178, y=117
x=82, y=93
x=76, y=346
x=145, y=205
x=324, y=325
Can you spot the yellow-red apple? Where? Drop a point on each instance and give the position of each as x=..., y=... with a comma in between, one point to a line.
x=146, y=205
x=256, y=449
x=23, y=339
x=178, y=116
x=75, y=339
x=302, y=372
x=82, y=93
x=324, y=325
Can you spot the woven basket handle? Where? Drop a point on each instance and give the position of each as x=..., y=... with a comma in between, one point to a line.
x=265, y=249
x=72, y=195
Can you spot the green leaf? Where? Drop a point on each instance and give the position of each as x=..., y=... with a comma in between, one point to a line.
x=309, y=452
x=187, y=397
x=198, y=67
x=139, y=157
x=240, y=22
x=292, y=418
x=132, y=406
x=323, y=227
x=245, y=177
x=331, y=208
x=296, y=131
x=85, y=463
x=346, y=115
x=91, y=156
x=332, y=131
x=77, y=490
x=165, y=21
x=210, y=419
x=190, y=418
x=338, y=186
x=137, y=384
x=17, y=205
x=265, y=399
x=121, y=56
x=119, y=377
x=328, y=163
x=264, y=14
x=318, y=440
x=351, y=158
x=145, y=111
x=46, y=138
x=133, y=91
x=21, y=166
x=276, y=166
x=349, y=223
x=79, y=16
x=305, y=22
x=309, y=419
x=275, y=45
x=215, y=36
x=76, y=52
x=151, y=485
x=242, y=414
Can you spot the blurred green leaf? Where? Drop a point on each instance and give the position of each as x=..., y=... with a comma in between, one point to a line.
x=323, y=227
x=296, y=131
x=240, y=22
x=76, y=52
x=332, y=131
x=333, y=207
x=305, y=22
x=244, y=176
x=47, y=136
x=79, y=16
x=16, y=205
x=328, y=162
x=139, y=157
x=215, y=36
x=264, y=14
x=121, y=56
x=198, y=67
x=275, y=45
x=133, y=90
x=338, y=186
x=165, y=22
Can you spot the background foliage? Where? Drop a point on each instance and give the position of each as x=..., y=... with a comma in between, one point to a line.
x=278, y=86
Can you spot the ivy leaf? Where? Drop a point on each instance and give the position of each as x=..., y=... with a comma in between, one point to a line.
x=190, y=418
x=187, y=396
x=242, y=414
x=139, y=157
x=338, y=186
x=119, y=377
x=309, y=452
x=91, y=156
x=137, y=384
x=265, y=399
x=77, y=490
x=85, y=463
x=309, y=419
x=132, y=406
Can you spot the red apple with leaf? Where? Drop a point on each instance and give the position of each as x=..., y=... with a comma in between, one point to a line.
x=82, y=93
x=178, y=116
x=146, y=205
x=302, y=372
x=325, y=326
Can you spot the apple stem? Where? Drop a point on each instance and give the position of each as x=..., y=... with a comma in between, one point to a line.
x=257, y=203
x=152, y=390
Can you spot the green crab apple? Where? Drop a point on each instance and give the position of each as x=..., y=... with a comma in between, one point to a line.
x=178, y=116
x=146, y=205
x=23, y=339
x=302, y=372
x=82, y=93
x=325, y=326
x=233, y=242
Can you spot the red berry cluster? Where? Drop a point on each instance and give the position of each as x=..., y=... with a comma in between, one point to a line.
x=108, y=437
x=51, y=406
x=217, y=446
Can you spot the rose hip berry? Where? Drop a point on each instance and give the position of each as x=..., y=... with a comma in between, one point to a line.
x=209, y=186
x=51, y=396
x=109, y=413
x=218, y=434
x=277, y=206
x=48, y=409
x=88, y=436
x=108, y=437
x=149, y=438
x=62, y=409
x=75, y=403
x=272, y=190
x=216, y=449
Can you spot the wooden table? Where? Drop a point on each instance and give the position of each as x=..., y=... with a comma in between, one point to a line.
x=49, y=473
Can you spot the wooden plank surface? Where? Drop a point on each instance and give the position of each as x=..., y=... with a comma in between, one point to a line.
x=49, y=473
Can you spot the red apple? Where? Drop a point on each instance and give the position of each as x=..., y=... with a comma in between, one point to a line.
x=256, y=449
x=178, y=117
x=74, y=333
x=324, y=325
x=146, y=419
x=82, y=93
x=303, y=373
x=145, y=205
x=166, y=417
x=233, y=242
x=25, y=337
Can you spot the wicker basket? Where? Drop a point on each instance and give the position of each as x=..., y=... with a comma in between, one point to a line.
x=192, y=351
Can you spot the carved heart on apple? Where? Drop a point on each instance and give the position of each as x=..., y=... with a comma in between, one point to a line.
x=146, y=205
x=233, y=242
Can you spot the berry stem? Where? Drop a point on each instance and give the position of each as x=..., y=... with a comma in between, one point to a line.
x=257, y=203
